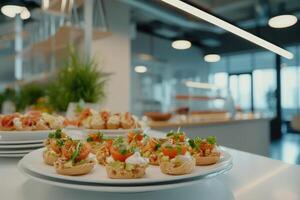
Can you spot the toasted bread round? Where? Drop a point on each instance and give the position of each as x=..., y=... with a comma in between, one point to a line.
x=206, y=160
x=167, y=167
x=79, y=169
x=112, y=126
x=121, y=173
x=50, y=157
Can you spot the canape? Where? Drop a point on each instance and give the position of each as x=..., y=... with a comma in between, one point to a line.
x=176, y=160
x=104, y=150
x=75, y=159
x=95, y=140
x=113, y=122
x=205, y=151
x=124, y=163
x=152, y=149
x=128, y=121
x=54, y=144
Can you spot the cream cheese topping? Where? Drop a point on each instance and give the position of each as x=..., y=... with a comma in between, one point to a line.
x=136, y=159
x=17, y=122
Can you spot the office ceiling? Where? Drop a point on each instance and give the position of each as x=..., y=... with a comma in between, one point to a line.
x=155, y=17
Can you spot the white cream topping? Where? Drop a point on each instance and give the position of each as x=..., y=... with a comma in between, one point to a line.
x=137, y=159
x=185, y=158
x=110, y=159
x=54, y=121
x=96, y=120
x=17, y=122
x=115, y=119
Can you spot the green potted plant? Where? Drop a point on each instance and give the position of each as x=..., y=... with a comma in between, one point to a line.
x=30, y=95
x=78, y=79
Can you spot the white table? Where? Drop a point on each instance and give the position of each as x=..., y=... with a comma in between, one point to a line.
x=252, y=177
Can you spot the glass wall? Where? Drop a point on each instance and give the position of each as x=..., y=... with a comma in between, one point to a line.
x=262, y=67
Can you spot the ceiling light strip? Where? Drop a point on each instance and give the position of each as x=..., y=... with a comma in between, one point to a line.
x=229, y=27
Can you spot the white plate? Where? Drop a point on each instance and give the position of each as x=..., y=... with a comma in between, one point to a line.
x=20, y=142
x=34, y=162
x=11, y=155
x=109, y=188
x=116, y=132
x=14, y=151
x=24, y=135
x=20, y=146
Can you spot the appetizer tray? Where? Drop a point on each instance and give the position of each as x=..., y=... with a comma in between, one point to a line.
x=33, y=166
x=114, y=132
x=22, y=136
x=116, y=188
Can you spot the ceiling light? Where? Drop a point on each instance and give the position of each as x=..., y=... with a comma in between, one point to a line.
x=282, y=21
x=229, y=27
x=181, y=44
x=212, y=58
x=195, y=84
x=25, y=14
x=140, y=69
x=12, y=10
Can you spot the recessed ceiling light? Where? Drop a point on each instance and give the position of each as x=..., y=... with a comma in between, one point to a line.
x=212, y=58
x=181, y=44
x=282, y=21
x=229, y=27
x=140, y=69
x=12, y=10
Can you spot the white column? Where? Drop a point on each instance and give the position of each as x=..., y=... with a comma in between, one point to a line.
x=18, y=48
x=113, y=55
x=88, y=26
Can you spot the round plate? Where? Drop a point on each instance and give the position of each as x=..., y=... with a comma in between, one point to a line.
x=20, y=142
x=109, y=188
x=14, y=151
x=24, y=135
x=20, y=146
x=117, y=132
x=12, y=155
x=34, y=162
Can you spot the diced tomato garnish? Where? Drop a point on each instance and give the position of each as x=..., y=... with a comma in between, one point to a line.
x=115, y=153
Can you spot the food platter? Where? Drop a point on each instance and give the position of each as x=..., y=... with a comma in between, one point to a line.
x=12, y=155
x=34, y=162
x=97, y=180
x=20, y=142
x=109, y=188
x=20, y=146
x=22, y=136
x=112, y=132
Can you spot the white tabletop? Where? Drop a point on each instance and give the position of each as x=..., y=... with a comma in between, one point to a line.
x=252, y=177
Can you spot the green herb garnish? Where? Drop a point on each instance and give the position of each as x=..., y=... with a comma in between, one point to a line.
x=170, y=133
x=59, y=143
x=211, y=140
x=89, y=139
x=76, y=152
x=192, y=143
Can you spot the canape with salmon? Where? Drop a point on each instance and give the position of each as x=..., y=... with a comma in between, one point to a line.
x=95, y=140
x=175, y=159
x=75, y=159
x=54, y=144
x=125, y=162
x=205, y=151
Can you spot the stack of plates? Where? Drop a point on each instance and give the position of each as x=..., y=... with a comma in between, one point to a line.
x=19, y=143
x=33, y=166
